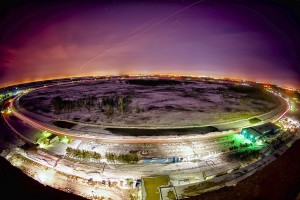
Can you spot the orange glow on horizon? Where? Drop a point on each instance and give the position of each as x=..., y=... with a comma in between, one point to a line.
x=233, y=78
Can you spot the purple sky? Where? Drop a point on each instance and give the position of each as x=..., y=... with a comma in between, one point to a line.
x=256, y=41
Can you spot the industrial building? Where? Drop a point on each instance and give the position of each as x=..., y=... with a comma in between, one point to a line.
x=256, y=133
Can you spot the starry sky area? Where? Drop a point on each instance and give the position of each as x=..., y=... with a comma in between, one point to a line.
x=251, y=40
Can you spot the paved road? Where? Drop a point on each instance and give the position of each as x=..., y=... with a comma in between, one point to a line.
x=7, y=138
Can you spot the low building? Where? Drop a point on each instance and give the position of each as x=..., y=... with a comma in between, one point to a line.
x=256, y=133
x=251, y=134
x=53, y=139
x=267, y=129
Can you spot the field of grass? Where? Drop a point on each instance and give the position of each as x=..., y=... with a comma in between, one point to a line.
x=152, y=184
x=152, y=103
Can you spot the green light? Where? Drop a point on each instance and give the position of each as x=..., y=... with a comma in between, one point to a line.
x=238, y=138
x=42, y=146
x=46, y=134
x=64, y=139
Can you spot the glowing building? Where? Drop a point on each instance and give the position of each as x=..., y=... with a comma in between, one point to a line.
x=256, y=133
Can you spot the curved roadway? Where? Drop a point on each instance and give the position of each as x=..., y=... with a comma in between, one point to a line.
x=273, y=116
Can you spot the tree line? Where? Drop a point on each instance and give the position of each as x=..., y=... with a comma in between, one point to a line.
x=63, y=106
x=130, y=158
x=108, y=104
x=83, y=154
x=111, y=104
x=247, y=155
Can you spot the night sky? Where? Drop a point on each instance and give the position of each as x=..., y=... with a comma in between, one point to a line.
x=254, y=40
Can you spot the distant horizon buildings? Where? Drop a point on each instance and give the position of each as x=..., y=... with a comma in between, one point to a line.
x=166, y=75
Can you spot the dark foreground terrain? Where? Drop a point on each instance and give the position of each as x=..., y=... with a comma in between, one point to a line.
x=279, y=180
x=16, y=185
